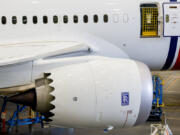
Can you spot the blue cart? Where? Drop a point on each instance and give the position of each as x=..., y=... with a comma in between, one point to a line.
x=157, y=103
x=15, y=121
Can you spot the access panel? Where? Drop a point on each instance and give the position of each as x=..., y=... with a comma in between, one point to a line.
x=149, y=20
x=171, y=19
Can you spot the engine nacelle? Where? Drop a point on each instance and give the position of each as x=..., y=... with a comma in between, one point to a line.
x=102, y=93
x=97, y=93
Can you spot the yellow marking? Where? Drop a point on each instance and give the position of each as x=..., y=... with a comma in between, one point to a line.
x=149, y=22
x=31, y=113
x=162, y=105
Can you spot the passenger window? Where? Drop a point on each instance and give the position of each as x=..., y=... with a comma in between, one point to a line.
x=65, y=19
x=24, y=20
x=55, y=19
x=149, y=20
x=3, y=20
x=35, y=19
x=45, y=19
x=106, y=18
x=85, y=19
x=95, y=18
x=14, y=20
x=75, y=19
x=116, y=18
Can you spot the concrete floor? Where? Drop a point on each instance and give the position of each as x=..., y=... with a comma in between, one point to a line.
x=172, y=110
x=173, y=120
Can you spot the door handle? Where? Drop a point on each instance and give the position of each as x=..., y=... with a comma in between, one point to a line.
x=167, y=18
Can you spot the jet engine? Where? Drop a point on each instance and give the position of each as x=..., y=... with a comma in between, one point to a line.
x=99, y=93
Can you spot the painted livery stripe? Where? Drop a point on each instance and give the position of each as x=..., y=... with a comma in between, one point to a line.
x=171, y=54
x=177, y=64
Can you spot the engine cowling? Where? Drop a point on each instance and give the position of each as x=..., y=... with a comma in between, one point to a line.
x=97, y=93
x=102, y=93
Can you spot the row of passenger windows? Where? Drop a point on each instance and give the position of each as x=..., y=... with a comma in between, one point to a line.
x=55, y=19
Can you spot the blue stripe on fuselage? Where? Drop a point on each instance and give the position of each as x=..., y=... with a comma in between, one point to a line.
x=171, y=54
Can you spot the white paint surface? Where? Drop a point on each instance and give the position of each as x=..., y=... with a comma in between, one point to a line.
x=172, y=27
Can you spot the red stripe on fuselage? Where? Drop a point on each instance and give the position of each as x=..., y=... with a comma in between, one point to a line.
x=177, y=64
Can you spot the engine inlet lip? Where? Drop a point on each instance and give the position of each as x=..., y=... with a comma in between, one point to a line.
x=146, y=96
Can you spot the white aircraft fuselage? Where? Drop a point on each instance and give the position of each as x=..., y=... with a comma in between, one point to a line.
x=119, y=37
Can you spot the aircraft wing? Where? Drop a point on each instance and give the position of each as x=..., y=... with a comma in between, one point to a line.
x=23, y=52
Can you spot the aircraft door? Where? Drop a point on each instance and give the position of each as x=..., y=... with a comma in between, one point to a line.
x=171, y=19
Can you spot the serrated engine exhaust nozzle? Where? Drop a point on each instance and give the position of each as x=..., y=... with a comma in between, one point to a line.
x=39, y=97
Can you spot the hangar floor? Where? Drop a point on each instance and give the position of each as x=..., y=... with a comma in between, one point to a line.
x=172, y=110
